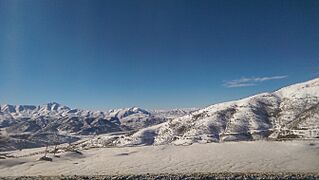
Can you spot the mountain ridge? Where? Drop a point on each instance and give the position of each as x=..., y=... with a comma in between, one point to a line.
x=35, y=126
x=261, y=116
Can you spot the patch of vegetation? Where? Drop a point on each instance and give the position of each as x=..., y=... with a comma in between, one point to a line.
x=288, y=136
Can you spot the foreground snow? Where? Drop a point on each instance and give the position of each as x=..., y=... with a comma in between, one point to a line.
x=257, y=156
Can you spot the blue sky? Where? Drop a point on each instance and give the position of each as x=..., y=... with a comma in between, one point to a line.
x=153, y=54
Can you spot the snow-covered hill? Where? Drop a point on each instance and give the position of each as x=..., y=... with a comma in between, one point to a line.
x=290, y=112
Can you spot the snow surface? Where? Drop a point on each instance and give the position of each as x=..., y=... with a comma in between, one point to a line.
x=256, y=156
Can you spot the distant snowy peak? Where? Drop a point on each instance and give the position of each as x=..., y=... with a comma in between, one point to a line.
x=122, y=113
x=53, y=107
x=20, y=108
x=31, y=111
x=7, y=108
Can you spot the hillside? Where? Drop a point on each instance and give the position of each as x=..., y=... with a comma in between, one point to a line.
x=290, y=112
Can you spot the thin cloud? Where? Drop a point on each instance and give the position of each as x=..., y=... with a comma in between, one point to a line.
x=232, y=85
x=245, y=82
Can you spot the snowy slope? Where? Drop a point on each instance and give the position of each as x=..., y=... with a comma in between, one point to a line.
x=291, y=112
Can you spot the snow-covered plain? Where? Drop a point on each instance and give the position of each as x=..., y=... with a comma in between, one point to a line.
x=254, y=156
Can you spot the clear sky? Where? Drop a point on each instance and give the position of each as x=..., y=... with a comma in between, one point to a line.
x=153, y=53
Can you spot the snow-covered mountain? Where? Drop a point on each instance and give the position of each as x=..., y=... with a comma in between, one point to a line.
x=31, y=125
x=290, y=112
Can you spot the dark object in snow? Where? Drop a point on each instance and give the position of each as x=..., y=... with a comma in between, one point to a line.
x=45, y=158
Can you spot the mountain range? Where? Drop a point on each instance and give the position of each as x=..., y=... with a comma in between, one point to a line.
x=290, y=112
x=24, y=126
